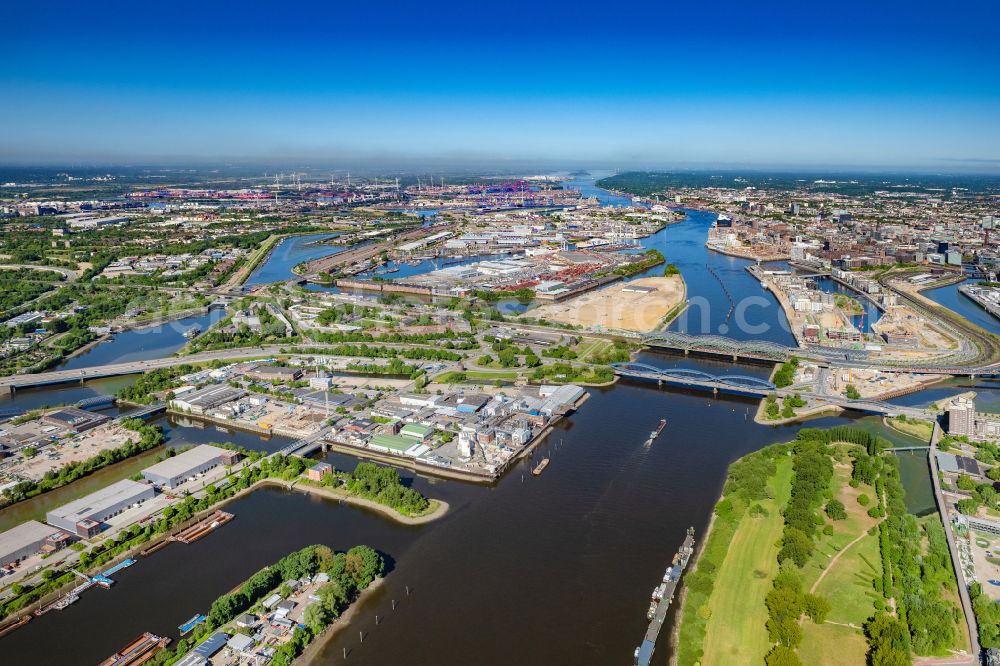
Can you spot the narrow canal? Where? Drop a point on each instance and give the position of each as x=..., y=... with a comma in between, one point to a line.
x=533, y=570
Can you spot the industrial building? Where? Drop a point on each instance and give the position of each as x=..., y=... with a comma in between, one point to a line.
x=86, y=516
x=403, y=446
x=75, y=420
x=174, y=471
x=275, y=373
x=29, y=538
x=204, y=400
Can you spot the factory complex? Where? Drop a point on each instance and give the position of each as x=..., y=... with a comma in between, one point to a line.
x=469, y=433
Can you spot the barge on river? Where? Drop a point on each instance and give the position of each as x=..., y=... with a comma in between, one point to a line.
x=656, y=433
x=203, y=527
x=663, y=594
x=139, y=651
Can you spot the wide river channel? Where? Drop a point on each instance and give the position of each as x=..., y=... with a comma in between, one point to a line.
x=533, y=570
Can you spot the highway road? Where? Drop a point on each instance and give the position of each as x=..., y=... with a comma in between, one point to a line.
x=963, y=586
x=136, y=367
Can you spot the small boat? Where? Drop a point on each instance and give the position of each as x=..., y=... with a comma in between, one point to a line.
x=541, y=467
x=189, y=626
x=192, y=332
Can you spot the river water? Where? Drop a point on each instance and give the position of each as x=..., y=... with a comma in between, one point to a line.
x=142, y=344
x=952, y=299
x=533, y=570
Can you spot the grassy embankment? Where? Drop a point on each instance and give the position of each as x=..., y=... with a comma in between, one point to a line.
x=918, y=428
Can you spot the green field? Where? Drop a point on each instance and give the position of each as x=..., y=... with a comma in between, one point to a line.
x=847, y=583
x=476, y=375
x=915, y=427
x=735, y=631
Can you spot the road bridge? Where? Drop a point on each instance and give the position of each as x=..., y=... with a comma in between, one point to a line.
x=764, y=350
x=306, y=446
x=12, y=383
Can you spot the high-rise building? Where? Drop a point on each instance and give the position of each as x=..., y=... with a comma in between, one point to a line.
x=962, y=417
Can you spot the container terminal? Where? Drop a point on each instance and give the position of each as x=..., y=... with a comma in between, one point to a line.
x=663, y=594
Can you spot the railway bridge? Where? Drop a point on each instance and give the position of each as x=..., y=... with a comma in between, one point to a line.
x=753, y=387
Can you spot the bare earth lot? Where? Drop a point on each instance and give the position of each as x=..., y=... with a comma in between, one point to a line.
x=614, y=307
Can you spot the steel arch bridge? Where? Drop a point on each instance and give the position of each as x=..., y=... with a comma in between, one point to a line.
x=689, y=374
x=719, y=345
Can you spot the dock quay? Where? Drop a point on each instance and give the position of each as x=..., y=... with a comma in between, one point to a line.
x=104, y=578
x=203, y=527
x=975, y=294
x=139, y=651
x=663, y=594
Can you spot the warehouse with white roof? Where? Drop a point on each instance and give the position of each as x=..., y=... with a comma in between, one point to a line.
x=87, y=515
x=174, y=471
x=28, y=538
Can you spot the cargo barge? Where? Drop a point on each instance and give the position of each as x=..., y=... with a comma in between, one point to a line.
x=540, y=467
x=656, y=433
x=662, y=595
x=139, y=651
x=203, y=527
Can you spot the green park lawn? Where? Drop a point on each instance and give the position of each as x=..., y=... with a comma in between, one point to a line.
x=735, y=632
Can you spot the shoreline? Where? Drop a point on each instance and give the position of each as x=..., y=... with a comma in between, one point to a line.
x=79, y=351
x=675, y=631
x=436, y=509
x=748, y=257
x=165, y=539
x=315, y=648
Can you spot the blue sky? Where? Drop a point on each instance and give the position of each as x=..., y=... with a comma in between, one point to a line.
x=913, y=84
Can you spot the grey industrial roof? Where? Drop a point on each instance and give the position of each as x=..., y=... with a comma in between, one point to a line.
x=23, y=535
x=947, y=462
x=212, y=644
x=212, y=395
x=113, y=494
x=182, y=463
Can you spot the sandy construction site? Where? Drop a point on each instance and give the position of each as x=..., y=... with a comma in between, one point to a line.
x=638, y=305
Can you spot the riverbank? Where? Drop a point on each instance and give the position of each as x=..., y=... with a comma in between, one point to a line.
x=435, y=510
x=246, y=270
x=240, y=425
x=315, y=648
x=410, y=463
x=79, y=351
x=801, y=414
x=747, y=254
